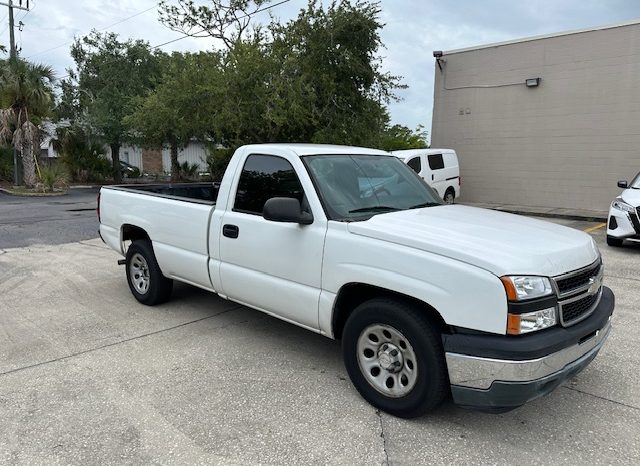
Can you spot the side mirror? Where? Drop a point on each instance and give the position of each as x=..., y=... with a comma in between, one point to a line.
x=623, y=184
x=286, y=209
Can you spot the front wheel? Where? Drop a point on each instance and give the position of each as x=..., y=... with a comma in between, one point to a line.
x=146, y=282
x=393, y=354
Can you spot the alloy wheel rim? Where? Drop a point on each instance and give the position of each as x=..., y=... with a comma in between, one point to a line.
x=139, y=273
x=387, y=360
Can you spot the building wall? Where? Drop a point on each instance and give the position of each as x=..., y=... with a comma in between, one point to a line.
x=562, y=144
x=195, y=152
x=130, y=154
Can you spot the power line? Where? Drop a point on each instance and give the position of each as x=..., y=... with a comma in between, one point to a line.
x=153, y=47
x=99, y=30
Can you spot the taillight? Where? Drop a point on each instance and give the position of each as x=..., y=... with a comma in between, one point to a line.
x=98, y=207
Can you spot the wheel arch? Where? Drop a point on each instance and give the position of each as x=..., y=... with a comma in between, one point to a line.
x=129, y=232
x=351, y=295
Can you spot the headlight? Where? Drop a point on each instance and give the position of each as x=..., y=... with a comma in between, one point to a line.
x=521, y=287
x=621, y=205
x=531, y=321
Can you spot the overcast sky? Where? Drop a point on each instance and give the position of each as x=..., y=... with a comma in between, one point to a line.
x=414, y=28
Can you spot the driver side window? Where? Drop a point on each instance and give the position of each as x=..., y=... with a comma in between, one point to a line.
x=264, y=177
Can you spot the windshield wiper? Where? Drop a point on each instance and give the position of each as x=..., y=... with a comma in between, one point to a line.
x=373, y=208
x=425, y=204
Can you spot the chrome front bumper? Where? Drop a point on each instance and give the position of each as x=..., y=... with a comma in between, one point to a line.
x=480, y=373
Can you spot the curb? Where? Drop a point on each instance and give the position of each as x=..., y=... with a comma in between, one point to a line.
x=16, y=194
x=586, y=218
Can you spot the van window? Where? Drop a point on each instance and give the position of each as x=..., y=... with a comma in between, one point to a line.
x=435, y=161
x=264, y=177
x=415, y=164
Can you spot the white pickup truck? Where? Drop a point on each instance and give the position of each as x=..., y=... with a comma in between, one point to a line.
x=429, y=300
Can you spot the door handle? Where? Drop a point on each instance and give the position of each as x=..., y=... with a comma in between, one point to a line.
x=230, y=231
x=432, y=177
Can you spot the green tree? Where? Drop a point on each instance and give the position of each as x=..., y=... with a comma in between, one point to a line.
x=108, y=76
x=398, y=137
x=225, y=20
x=317, y=78
x=25, y=98
x=331, y=75
x=182, y=106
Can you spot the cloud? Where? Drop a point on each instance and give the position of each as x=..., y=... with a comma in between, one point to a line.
x=414, y=28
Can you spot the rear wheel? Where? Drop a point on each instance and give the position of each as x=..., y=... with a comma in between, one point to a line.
x=449, y=196
x=614, y=242
x=146, y=282
x=393, y=354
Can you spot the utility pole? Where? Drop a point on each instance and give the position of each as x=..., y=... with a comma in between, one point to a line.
x=12, y=58
x=12, y=39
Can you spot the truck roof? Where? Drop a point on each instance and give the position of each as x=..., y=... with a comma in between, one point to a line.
x=303, y=149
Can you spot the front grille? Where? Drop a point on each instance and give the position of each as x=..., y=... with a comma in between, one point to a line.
x=576, y=309
x=577, y=280
x=577, y=293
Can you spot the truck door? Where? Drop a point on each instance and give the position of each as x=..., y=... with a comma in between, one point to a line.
x=272, y=266
x=437, y=173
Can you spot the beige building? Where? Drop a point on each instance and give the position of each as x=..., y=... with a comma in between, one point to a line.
x=562, y=143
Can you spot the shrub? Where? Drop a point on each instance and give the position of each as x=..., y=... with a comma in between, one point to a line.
x=6, y=163
x=188, y=171
x=53, y=177
x=217, y=161
x=85, y=160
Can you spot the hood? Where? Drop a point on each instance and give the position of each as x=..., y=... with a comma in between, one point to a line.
x=631, y=196
x=504, y=244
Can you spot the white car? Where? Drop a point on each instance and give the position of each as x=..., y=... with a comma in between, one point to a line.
x=438, y=167
x=624, y=214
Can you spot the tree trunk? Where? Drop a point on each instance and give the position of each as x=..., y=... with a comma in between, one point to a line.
x=115, y=157
x=29, y=165
x=175, y=168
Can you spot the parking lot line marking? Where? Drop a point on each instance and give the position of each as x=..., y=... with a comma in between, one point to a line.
x=594, y=228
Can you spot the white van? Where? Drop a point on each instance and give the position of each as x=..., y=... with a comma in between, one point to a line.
x=438, y=167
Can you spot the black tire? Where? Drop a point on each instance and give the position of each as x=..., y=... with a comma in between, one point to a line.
x=449, y=196
x=431, y=384
x=159, y=288
x=614, y=242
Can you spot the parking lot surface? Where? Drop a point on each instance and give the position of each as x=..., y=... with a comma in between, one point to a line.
x=89, y=376
x=48, y=220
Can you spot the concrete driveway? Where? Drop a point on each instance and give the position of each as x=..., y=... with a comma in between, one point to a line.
x=89, y=376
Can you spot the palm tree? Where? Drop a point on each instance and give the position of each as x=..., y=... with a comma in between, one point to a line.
x=25, y=98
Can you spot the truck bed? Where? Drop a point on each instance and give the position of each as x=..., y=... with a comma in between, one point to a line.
x=205, y=193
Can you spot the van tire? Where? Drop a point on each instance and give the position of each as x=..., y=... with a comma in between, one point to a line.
x=145, y=279
x=449, y=196
x=415, y=336
x=614, y=242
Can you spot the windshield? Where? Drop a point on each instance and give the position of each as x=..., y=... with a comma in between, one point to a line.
x=635, y=184
x=356, y=187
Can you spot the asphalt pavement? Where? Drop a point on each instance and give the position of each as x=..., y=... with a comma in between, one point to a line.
x=90, y=376
x=25, y=221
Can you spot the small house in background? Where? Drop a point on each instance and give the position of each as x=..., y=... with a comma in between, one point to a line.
x=548, y=121
x=151, y=161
